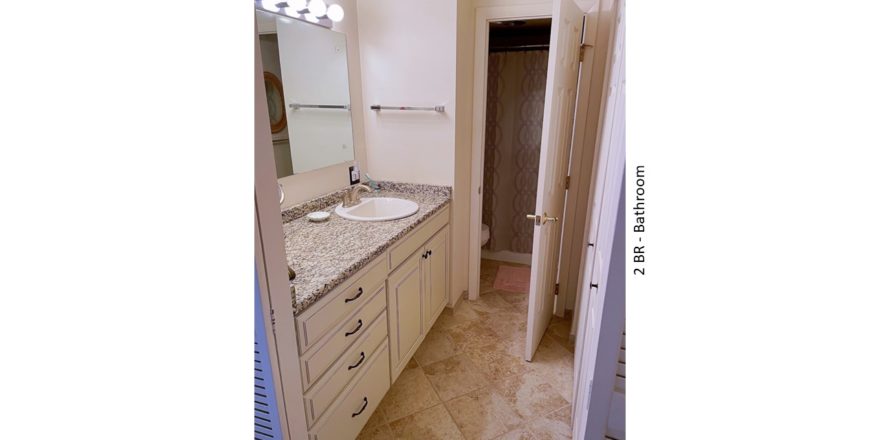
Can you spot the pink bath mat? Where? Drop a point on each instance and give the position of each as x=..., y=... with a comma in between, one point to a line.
x=513, y=279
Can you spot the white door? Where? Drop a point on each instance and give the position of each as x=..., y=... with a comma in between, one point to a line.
x=607, y=220
x=559, y=106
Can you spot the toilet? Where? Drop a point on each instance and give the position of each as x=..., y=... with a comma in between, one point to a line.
x=484, y=235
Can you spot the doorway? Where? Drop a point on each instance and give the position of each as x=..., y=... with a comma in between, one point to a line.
x=515, y=89
x=516, y=80
x=526, y=90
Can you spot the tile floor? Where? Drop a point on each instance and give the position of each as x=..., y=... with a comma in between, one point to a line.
x=468, y=379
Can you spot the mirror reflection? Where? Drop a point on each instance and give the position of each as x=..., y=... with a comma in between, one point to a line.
x=306, y=76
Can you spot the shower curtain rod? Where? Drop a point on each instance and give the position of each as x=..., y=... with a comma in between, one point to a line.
x=521, y=47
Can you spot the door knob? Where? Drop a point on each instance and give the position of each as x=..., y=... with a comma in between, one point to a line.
x=541, y=219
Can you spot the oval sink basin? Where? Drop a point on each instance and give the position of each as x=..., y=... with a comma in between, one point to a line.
x=376, y=209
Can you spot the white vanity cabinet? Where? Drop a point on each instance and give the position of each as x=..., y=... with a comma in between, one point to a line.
x=405, y=304
x=355, y=341
x=435, y=273
x=417, y=288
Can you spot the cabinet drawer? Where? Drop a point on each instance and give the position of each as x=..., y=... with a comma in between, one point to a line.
x=329, y=311
x=318, y=359
x=351, y=412
x=417, y=238
x=348, y=366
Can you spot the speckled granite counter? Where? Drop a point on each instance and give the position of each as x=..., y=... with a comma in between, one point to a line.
x=325, y=254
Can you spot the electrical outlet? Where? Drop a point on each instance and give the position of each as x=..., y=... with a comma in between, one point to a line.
x=354, y=175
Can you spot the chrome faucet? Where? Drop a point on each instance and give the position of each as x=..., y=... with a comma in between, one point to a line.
x=353, y=196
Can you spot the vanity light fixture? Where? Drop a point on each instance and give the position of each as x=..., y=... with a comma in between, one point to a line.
x=313, y=11
x=335, y=13
x=318, y=8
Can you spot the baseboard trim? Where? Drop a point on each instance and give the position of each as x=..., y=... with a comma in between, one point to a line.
x=507, y=256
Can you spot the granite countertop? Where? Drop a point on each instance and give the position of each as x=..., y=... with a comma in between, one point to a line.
x=325, y=254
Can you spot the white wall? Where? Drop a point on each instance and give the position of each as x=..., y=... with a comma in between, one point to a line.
x=302, y=187
x=408, y=57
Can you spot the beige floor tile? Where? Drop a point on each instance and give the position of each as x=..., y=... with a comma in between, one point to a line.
x=436, y=347
x=554, y=426
x=483, y=414
x=472, y=335
x=410, y=393
x=514, y=344
x=454, y=377
x=514, y=298
x=495, y=362
x=380, y=432
x=376, y=428
x=559, y=332
x=431, y=423
x=522, y=308
x=490, y=303
x=462, y=314
x=555, y=364
x=376, y=420
x=517, y=434
x=507, y=324
x=530, y=394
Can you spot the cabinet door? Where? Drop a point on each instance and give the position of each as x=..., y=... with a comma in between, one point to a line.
x=405, y=311
x=436, y=274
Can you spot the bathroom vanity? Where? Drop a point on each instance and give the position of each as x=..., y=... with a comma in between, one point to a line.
x=370, y=280
x=366, y=294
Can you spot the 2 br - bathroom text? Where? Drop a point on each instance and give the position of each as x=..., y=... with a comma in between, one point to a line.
x=639, y=227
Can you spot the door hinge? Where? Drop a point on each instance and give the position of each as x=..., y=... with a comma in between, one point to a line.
x=556, y=289
x=567, y=182
x=583, y=50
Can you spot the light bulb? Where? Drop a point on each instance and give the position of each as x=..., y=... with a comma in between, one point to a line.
x=318, y=8
x=335, y=13
x=311, y=17
x=270, y=5
x=296, y=5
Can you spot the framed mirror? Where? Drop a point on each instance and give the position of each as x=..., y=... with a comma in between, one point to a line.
x=310, y=107
x=275, y=98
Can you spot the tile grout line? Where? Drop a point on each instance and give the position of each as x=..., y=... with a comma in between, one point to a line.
x=492, y=384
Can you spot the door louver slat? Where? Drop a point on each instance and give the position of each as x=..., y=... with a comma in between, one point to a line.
x=266, y=423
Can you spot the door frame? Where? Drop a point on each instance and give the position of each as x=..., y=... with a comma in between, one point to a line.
x=271, y=262
x=580, y=183
x=581, y=168
x=483, y=16
x=596, y=355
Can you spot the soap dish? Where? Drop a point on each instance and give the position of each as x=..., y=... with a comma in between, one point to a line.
x=318, y=216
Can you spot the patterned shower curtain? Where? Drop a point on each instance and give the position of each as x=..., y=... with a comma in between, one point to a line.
x=514, y=114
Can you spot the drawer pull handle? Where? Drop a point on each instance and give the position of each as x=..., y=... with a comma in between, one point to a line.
x=358, y=364
x=362, y=408
x=430, y=252
x=360, y=292
x=360, y=324
x=425, y=255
